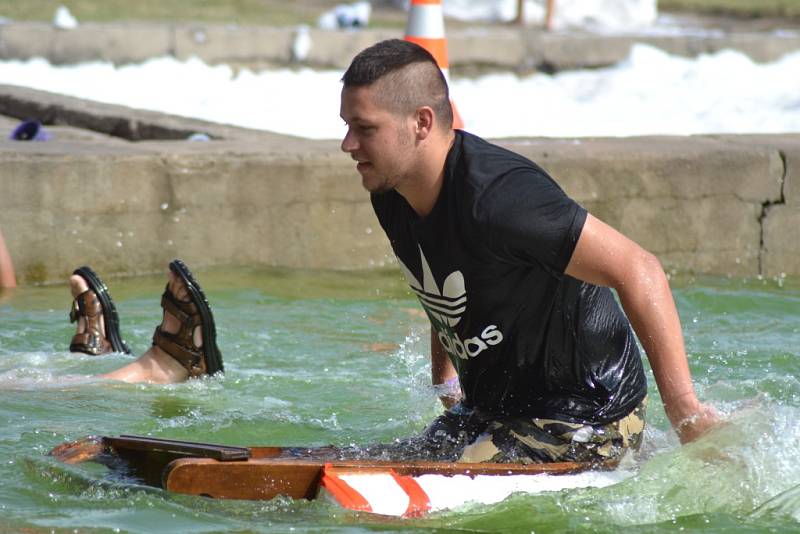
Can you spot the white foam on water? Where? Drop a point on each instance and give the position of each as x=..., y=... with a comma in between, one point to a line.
x=381, y=491
x=33, y=379
x=449, y=492
x=651, y=92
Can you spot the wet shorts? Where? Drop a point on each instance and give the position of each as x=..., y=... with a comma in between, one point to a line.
x=461, y=435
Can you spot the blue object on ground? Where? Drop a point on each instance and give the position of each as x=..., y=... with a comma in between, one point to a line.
x=30, y=130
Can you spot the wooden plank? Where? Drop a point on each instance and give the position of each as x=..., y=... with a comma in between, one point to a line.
x=298, y=478
x=249, y=479
x=82, y=450
x=261, y=473
x=145, y=458
x=177, y=447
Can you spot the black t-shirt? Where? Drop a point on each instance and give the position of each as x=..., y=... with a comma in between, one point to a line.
x=487, y=264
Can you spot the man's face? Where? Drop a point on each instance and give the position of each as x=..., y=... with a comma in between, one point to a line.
x=380, y=141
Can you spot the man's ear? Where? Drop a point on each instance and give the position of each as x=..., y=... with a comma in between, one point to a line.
x=425, y=119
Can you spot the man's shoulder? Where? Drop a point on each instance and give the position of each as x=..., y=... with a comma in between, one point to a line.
x=474, y=144
x=482, y=162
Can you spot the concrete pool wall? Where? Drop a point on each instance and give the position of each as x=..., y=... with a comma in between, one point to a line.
x=721, y=204
x=471, y=47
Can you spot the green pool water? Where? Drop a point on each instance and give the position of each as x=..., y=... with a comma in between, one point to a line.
x=316, y=358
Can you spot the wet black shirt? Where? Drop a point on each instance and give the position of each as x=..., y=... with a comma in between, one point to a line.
x=488, y=265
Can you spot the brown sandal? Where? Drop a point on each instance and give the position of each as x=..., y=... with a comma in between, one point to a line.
x=203, y=360
x=90, y=341
x=93, y=304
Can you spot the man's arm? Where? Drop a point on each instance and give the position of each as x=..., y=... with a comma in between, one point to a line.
x=443, y=374
x=605, y=257
x=7, y=278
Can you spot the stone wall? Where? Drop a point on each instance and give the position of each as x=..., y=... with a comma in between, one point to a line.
x=706, y=204
x=488, y=47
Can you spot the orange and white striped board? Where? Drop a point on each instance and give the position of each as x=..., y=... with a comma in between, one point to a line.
x=379, y=491
x=425, y=27
x=382, y=491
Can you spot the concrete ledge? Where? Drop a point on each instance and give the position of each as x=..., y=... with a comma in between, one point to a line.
x=781, y=244
x=114, y=120
x=694, y=201
x=704, y=204
x=781, y=218
x=490, y=47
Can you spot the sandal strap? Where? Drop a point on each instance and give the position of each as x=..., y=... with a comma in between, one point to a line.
x=91, y=340
x=75, y=310
x=184, y=311
x=89, y=343
x=180, y=345
x=85, y=305
x=172, y=344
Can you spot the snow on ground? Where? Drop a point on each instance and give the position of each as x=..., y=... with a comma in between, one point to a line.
x=651, y=92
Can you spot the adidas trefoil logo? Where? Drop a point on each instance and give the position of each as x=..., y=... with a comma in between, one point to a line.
x=445, y=308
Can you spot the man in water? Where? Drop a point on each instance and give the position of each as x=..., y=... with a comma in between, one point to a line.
x=514, y=277
x=537, y=360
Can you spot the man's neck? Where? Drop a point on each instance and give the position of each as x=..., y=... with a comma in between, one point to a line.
x=422, y=190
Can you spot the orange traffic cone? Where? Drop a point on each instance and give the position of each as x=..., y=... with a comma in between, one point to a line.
x=426, y=28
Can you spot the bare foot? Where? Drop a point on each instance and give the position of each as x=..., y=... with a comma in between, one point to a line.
x=156, y=366
x=89, y=313
x=170, y=323
x=77, y=286
x=152, y=367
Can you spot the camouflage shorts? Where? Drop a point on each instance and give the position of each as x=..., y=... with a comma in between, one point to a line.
x=460, y=436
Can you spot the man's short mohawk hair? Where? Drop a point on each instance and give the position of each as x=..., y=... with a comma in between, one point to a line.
x=413, y=78
x=380, y=59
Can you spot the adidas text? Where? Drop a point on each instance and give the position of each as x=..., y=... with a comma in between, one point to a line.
x=470, y=347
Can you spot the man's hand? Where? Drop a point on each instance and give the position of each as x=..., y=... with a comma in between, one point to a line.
x=692, y=427
x=449, y=392
x=448, y=402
